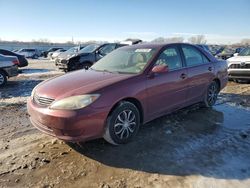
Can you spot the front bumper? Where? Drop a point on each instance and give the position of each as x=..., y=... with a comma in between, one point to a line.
x=239, y=74
x=69, y=125
x=11, y=71
x=62, y=64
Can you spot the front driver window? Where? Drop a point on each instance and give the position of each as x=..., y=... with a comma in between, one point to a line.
x=171, y=58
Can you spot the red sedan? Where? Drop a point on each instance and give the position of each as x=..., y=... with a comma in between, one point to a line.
x=127, y=88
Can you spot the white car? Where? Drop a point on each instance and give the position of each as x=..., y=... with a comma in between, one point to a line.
x=29, y=53
x=55, y=54
x=239, y=65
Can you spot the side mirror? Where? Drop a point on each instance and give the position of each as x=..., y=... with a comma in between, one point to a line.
x=160, y=69
x=236, y=54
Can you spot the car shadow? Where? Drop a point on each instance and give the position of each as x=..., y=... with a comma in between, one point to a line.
x=192, y=141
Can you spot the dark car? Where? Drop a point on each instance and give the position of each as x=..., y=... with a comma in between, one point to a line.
x=86, y=57
x=45, y=53
x=68, y=54
x=22, y=60
x=129, y=87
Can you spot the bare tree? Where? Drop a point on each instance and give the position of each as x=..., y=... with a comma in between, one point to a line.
x=199, y=39
x=174, y=39
x=159, y=40
x=245, y=41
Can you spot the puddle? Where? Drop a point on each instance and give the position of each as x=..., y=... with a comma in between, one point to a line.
x=235, y=117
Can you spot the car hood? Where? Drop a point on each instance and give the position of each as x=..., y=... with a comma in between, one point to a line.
x=78, y=83
x=79, y=55
x=66, y=55
x=239, y=58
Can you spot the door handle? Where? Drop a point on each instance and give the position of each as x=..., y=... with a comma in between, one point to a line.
x=210, y=68
x=183, y=76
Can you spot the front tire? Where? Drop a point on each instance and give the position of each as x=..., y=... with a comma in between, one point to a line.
x=122, y=124
x=211, y=94
x=3, y=78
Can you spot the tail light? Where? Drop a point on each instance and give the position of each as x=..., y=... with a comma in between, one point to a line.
x=15, y=62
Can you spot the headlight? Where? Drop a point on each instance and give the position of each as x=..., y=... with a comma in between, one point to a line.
x=74, y=102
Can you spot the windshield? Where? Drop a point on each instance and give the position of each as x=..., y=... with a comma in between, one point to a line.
x=89, y=49
x=245, y=52
x=130, y=61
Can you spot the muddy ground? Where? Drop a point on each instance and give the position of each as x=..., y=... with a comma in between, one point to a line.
x=194, y=147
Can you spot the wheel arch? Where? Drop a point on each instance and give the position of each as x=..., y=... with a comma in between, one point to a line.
x=5, y=72
x=134, y=101
x=217, y=80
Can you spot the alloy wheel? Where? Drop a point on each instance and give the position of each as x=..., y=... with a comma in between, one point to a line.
x=125, y=124
x=212, y=94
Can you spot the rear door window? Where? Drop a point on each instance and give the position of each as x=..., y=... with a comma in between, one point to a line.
x=193, y=56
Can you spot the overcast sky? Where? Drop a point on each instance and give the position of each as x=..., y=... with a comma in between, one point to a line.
x=221, y=21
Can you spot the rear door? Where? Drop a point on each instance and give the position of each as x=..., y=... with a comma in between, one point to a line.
x=200, y=72
x=167, y=91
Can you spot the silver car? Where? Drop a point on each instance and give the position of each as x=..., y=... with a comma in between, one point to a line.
x=8, y=68
x=29, y=53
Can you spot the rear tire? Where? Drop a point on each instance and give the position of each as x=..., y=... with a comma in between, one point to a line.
x=122, y=124
x=211, y=94
x=3, y=78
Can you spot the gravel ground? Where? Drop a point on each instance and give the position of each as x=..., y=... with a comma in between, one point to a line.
x=194, y=147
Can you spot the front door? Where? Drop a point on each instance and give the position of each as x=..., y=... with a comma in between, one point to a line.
x=167, y=91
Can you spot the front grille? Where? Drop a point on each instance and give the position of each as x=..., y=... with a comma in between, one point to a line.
x=239, y=66
x=42, y=101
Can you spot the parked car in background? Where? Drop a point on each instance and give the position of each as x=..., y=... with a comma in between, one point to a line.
x=129, y=87
x=86, y=57
x=53, y=55
x=226, y=53
x=8, y=68
x=22, y=60
x=238, y=50
x=239, y=66
x=29, y=53
x=45, y=53
x=131, y=41
x=68, y=54
x=218, y=50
